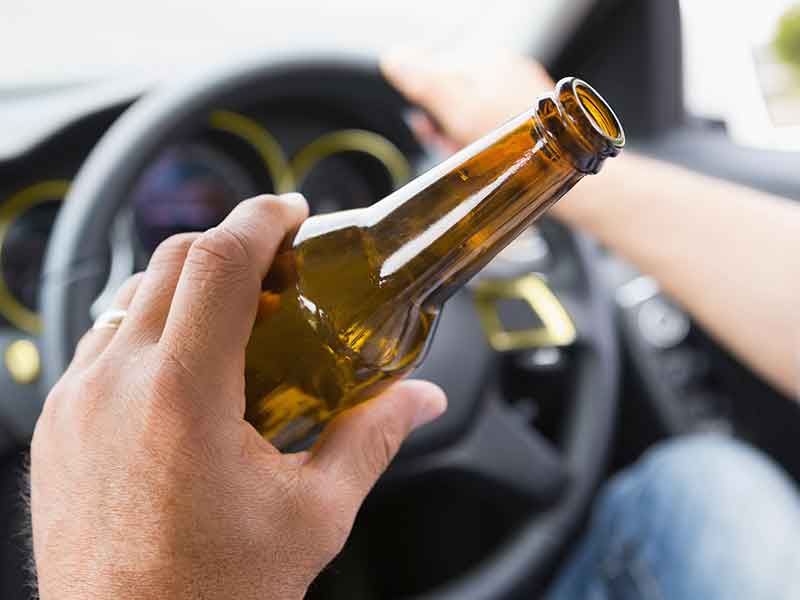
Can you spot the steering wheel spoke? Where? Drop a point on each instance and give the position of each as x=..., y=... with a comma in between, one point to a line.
x=579, y=312
x=499, y=449
x=504, y=449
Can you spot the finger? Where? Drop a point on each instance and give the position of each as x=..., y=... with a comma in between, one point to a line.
x=423, y=127
x=96, y=340
x=357, y=446
x=148, y=311
x=424, y=78
x=429, y=135
x=215, y=301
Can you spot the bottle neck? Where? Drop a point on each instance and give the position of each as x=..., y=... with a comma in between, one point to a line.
x=435, y=233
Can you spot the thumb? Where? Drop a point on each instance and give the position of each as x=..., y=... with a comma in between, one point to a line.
x=359, y=444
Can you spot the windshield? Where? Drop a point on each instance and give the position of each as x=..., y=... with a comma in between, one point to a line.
x=63, y=42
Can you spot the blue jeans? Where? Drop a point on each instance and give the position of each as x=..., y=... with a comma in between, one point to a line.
x=701, y=518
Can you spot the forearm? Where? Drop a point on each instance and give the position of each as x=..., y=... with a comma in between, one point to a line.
x=730, y=255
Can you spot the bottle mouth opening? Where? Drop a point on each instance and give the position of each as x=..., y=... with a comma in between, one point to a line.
x=599, y=113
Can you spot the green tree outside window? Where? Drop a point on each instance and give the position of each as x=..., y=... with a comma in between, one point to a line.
x=787, y=39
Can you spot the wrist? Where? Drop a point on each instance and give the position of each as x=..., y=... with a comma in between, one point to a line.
x=597, y=197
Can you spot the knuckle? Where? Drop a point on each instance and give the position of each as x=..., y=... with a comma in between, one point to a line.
x=170, y=377
x=271, y=212
x=281, y=210
x=173, y=249
x=129, y=285
x=158, y=405
x=220, y=247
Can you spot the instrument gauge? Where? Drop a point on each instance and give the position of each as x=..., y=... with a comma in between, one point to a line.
x=189, y=187
x=26, y=222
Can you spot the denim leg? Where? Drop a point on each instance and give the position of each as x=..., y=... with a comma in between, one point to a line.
x=703, y=517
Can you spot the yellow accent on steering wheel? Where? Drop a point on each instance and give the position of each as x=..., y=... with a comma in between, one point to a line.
x=286, y=177
x=262, y=141
x=38, y=193
x=352, y=140
x=557, y=327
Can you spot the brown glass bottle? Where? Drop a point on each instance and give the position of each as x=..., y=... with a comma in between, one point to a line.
x=347, y=309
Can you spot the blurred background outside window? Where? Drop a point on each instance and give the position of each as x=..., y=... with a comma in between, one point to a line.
x=742, y=59
x=742, y=67
x=84, y=39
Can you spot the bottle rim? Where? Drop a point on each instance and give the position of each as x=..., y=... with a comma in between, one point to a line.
x=598, y=113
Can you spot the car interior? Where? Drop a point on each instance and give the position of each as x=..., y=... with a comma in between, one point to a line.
x=488, y=500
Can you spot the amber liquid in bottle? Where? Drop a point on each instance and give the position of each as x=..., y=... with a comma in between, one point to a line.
x=349, y=306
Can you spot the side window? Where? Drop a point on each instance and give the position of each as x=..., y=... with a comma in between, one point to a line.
x=742, y=68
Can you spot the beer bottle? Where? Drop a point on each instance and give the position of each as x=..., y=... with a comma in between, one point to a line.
x=349, y=304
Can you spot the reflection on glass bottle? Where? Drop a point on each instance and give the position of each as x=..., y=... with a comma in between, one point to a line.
x=349, y=305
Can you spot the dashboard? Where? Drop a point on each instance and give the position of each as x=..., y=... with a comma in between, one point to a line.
x=191, y=185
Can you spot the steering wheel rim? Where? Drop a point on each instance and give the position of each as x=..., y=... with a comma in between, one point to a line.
x=75, y=264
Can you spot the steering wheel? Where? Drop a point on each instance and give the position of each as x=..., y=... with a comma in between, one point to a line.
x=482, y=434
